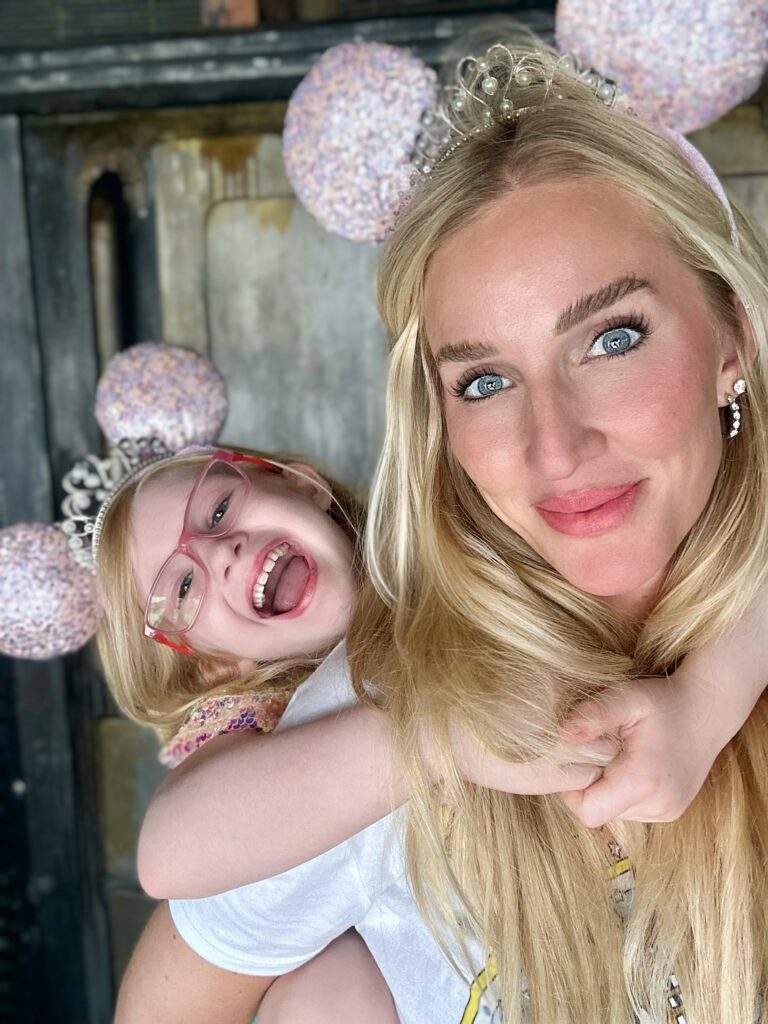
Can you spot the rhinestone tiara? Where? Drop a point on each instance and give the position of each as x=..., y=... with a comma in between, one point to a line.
x=92, y=485
x=480, y=97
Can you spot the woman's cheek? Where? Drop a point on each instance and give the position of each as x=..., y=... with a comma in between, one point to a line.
x=482, y=440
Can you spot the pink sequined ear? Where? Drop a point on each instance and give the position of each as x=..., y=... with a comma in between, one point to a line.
x=163, y=391
x=349, y=134
x=49, y=604
x=684, y=62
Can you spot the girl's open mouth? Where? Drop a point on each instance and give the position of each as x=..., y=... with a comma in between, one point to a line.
x=285, y=581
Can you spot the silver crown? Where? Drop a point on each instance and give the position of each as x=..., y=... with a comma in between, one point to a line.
x=92, y=485
x=481, y=98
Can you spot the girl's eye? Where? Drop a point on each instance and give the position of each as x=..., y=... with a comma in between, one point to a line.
x=184, y=586
x=477, y=386
x=617, y=341
x=219, y=512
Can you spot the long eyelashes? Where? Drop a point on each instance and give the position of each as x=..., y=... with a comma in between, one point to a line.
x=469, y=377
x=635, y=322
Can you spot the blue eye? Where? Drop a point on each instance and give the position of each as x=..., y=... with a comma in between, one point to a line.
x=616, y=342
x=219, y=512
x=184, y=586
x=484, y=385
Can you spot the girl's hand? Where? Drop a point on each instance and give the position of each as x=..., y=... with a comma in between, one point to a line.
x=667, y=750
x=584, y=765
x=671, y=730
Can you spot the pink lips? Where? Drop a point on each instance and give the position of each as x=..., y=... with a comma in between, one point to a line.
x=258, y=564
x=585, y=513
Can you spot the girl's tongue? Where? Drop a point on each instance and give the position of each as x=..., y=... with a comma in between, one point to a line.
x=287, y=582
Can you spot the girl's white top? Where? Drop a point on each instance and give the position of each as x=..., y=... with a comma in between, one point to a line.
x=275, y=926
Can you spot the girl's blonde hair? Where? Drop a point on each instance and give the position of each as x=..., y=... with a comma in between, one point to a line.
x=462, y=617
x=157, y=686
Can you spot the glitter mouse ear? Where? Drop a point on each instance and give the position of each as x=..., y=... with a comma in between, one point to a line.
x=49, y=604
x=161, y=391
x=686, y=63
x=151, y=401
x=350, y=130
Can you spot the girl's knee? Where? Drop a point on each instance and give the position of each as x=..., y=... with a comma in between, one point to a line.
x=341, y=984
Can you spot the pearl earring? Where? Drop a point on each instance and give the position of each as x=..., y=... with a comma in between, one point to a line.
x=739, y=387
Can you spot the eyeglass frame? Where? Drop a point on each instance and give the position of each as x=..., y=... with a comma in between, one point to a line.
x=186, y=535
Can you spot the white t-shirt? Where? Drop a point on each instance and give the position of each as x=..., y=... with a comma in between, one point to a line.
x=274, y=926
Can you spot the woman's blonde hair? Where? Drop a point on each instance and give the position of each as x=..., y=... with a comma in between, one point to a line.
x=462, y=617
x=153, y=684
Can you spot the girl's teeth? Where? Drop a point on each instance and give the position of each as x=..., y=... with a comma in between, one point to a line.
x=269, y=564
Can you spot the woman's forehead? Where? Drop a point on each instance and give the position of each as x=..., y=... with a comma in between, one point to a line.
x=535, y=252
x=545, y=221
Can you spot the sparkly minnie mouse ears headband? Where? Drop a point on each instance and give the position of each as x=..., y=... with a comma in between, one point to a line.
x=153, y=401
x=481, y=98
x=368, y=122
x=92, y=485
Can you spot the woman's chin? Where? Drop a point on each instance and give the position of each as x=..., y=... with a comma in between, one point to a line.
x=628, y=584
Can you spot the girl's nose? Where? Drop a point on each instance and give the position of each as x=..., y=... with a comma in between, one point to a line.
x=220, y=554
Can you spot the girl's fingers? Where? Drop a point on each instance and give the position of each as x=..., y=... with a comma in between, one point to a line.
x=615, y=795
x=538, y=777
x=611, y=712
x=603, y=749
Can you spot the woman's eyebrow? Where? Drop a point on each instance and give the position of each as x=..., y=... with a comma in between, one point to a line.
x=464, y=352
x=586, y=306
x=590, y=304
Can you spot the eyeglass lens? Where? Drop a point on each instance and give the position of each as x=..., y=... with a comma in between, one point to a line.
x=213, y=509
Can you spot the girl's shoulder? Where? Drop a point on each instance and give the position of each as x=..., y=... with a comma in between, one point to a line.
x=223, y=713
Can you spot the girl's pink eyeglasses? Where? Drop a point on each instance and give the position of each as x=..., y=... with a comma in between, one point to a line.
x=213, y=508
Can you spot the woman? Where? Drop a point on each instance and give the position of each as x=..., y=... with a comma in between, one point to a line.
x=571, y=315
x=596, y=530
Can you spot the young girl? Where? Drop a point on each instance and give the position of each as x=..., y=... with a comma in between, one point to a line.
x=236, y=560
x=239, y=571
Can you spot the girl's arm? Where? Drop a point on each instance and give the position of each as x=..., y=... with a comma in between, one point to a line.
x=672, y=729
x=245, y=807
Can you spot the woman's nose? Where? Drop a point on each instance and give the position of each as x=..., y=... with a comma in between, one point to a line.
x=560, y=434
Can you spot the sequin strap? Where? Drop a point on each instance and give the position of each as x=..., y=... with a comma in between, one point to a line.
x=259, y=712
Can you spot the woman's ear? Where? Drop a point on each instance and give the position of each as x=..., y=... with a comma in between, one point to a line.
x=735, y=356
x=749, y=345
x=308, y=481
